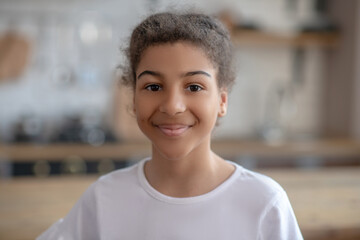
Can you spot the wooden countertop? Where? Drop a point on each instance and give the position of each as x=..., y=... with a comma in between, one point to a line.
x=326, y=202
x=338, y=148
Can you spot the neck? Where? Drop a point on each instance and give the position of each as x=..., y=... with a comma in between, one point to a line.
x=197, y=173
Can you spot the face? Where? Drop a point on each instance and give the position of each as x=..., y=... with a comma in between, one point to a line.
x=177, y=99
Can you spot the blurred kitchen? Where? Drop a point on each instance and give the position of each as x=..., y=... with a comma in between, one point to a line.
x=294, y=112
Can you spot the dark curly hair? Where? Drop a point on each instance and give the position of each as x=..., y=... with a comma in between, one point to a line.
x=201, y=30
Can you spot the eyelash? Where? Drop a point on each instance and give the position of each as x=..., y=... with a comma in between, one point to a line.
x=151, y=87
x=198, y=87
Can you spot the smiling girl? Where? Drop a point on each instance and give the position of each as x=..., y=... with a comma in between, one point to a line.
x=180, y=71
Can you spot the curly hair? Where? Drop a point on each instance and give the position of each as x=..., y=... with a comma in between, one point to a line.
x=201, y=30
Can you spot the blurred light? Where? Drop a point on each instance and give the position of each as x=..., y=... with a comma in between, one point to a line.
x=89, y=33
x=74, y=165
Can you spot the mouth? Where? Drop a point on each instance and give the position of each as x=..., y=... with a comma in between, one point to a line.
x=173, y=130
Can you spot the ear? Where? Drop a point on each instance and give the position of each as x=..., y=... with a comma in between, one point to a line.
x=223, y=103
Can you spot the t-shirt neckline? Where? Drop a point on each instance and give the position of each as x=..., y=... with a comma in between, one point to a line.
x=185, y=200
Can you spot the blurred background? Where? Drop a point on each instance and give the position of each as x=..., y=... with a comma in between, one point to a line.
x=294, y=111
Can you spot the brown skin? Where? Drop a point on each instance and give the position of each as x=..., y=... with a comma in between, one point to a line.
x=177, y=102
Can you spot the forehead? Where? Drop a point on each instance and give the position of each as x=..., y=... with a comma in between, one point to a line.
x=175, y=56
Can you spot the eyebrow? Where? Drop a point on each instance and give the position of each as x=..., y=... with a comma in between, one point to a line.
x=188, y=74
x=147, y=72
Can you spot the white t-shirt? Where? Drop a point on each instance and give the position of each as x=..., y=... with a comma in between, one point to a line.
x=123, y=205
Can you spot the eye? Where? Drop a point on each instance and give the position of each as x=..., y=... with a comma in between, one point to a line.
x=153, y=87
x=194, y=88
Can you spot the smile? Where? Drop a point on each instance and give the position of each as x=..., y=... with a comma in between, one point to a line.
x=173, y=130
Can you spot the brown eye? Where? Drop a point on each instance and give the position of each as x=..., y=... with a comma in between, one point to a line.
x=153, y=87
x=194, y=88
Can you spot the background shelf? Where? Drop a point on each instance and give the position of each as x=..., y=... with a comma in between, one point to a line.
x=260, y=38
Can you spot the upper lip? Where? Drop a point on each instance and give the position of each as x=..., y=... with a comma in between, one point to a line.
x=172, y=126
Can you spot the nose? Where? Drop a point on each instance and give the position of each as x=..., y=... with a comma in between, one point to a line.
x=173, y=103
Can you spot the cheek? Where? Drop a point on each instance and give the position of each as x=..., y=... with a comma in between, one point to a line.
x=138, y=108
x=207, y=112
x=141, y=119
x=142, y=108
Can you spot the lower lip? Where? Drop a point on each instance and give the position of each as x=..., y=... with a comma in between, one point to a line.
x=173, y=131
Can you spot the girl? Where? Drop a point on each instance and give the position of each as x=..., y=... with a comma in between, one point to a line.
x=180, y=72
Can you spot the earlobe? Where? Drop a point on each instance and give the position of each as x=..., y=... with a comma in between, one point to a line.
x=223, y=103
x=222, y=111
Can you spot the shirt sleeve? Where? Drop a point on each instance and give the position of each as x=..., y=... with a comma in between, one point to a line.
x=80, y=223
x=278, y=221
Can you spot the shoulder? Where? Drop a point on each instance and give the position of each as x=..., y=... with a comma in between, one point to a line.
x=115, y=182
x=113, y=187
x=266, y=199
x=257, y=181
x=121, y=174
x=99, y=200
x=259, y=189
x=121, y=177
